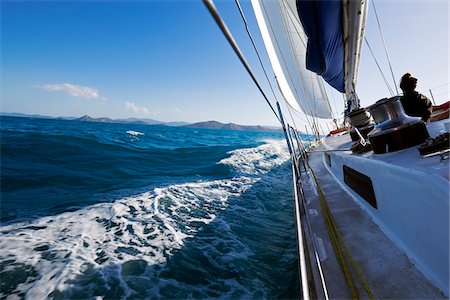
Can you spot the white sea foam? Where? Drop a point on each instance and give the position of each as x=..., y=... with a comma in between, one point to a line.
x=258, y=160
x=135, y=133
x=148, y=227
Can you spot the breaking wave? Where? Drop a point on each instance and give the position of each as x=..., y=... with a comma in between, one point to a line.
x=184, y=240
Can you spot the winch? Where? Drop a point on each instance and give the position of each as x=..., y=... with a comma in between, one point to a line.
x=360, y=119
x=394, y=130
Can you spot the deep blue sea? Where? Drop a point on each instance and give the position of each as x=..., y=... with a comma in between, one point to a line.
x=120, y=211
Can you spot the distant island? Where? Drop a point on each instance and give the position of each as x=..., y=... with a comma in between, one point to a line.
x=232, y=126
x=142, y=121
x=87, y=118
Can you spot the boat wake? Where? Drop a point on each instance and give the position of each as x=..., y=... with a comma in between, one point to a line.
x=120, y=249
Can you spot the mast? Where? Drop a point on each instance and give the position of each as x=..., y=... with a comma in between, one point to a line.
x=354, y=22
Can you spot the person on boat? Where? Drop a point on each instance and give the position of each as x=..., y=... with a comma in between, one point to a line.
x=414, y=103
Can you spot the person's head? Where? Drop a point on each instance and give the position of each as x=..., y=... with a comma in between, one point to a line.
x=408, y=83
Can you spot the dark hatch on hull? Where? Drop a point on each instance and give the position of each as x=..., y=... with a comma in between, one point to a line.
x=361, y=184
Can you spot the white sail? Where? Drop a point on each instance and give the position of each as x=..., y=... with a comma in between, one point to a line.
x=285, y=43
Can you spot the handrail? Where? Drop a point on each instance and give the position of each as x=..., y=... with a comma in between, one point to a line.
x=310, y=265
x=318, y=288
x=306, y=271
x=300, y=244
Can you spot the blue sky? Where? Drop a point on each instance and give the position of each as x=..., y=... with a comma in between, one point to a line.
x=167, y=60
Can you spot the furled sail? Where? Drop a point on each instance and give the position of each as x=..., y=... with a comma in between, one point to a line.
x=322, y=21
x=335, y=31
x=286, y=42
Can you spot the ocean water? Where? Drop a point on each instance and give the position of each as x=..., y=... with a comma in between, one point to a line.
x=120, y=211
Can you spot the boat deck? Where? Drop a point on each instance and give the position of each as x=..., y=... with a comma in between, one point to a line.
x=388, y=271
x=406, y=158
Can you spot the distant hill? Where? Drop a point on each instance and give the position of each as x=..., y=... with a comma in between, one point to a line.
x=20, y=115
x=232, y=126
x=150, y=122
x=87, y=118
x=140, y=121
x=131, y=121
x=176, y=124
x=144, y=121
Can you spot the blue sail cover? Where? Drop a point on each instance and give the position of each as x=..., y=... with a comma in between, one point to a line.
x=322, y=22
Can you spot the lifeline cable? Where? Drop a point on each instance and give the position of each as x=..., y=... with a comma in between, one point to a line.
x=215, y=14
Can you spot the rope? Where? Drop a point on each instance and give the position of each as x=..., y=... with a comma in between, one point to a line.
x=340, y=248
x=384, y=44
x=379, y=68
x=215, y=14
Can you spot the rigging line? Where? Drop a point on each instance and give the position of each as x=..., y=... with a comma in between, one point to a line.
x=304, y=44
x=293, y=121
x=305, y=91
x=311, y=122
x=215, y=14
x=295, y=21
x=302, y=79
x=336, y=115
x=302, y=119
x=256, y=49
x=444, y=93
x=278, y=46
x=288, y=105
x=254, y=46
x=379, y=68
x=441, y=85
x=297, y=114
x=290, y=17
x=329, y=105
x=384, y=44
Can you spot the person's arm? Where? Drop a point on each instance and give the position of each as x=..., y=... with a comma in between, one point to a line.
x=427, y=107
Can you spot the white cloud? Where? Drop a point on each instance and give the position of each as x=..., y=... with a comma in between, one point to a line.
x=178, y=110
x=131, y=106
x=72, y=90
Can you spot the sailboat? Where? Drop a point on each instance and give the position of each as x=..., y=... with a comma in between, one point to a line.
x=371, y=202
